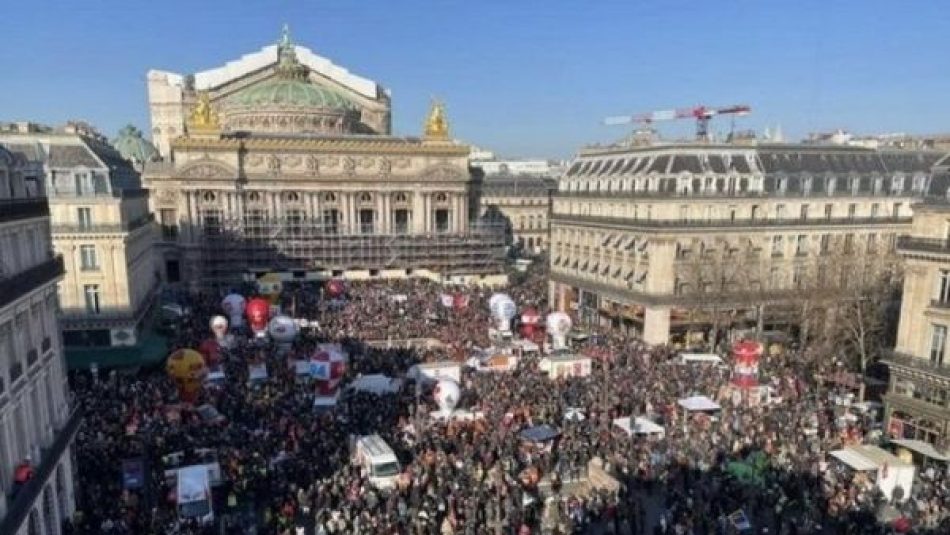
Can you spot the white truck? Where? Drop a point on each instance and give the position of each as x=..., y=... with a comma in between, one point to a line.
x=194, y=494
x=377, y=461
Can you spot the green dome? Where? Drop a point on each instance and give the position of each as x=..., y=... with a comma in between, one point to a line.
x=133, y=147
x=284, y=92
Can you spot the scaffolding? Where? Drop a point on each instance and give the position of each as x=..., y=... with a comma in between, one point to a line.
x=230, y=248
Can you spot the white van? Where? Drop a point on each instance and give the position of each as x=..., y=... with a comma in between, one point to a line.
x=700, y=358
x=377, y=461
x=194, y=494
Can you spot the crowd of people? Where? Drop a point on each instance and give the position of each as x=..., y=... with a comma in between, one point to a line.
x=286, y=465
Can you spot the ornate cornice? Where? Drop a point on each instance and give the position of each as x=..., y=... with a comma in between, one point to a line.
x=343, y=146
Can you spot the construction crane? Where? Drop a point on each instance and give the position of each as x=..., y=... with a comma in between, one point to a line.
x=702, y=115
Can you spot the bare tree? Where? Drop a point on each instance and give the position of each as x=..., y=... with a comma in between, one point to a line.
x=709, y=274
x=867, y=284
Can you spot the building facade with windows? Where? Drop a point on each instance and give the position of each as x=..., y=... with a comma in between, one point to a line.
x=283, y=162
x=918, y=399
x=665, y=238
x=100, y=225
x=524, y=204
x=37, y=425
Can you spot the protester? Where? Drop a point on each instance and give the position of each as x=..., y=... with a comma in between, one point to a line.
x=286, y=464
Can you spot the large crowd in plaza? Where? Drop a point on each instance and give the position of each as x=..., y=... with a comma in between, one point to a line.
x=286, y=464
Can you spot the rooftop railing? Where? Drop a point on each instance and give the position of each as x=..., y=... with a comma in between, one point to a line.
x=23, y=208
x=23, y=282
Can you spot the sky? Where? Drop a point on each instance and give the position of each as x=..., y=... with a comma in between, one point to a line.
x=525, y=78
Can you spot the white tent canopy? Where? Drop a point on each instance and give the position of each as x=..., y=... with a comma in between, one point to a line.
x=889, y=471
x=855, y=460
x=699, y=403
x=639, y=426
x=924, y=448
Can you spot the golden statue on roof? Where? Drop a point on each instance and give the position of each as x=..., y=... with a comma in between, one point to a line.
x=437, y=126
x=203, y=116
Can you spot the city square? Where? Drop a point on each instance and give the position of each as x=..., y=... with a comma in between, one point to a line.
x=276, y=303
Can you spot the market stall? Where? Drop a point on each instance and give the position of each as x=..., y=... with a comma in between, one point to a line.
x=884, y=469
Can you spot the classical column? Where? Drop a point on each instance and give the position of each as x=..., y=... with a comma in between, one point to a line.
x=386, y=216
x=191, y=198
x=418, y=213
x=430, y=205
x=344, y=212
x=379, y=219
x=656, y=325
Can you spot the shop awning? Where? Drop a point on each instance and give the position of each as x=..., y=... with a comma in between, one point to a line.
x=854, y=459
x=924, y=448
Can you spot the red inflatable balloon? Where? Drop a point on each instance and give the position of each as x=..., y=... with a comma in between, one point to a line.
x=258, y=314
x=211, y=351
x=335, y=288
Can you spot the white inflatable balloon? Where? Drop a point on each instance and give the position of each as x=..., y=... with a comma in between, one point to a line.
x=503, y=309
x=233, y=305
x=446, y=394
x=494, y=299
x=219, y=326
x=558, y=324
x=282, y=329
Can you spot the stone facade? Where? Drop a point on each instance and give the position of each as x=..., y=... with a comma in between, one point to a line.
x=918, y=399
x=637, y=231
x=36, y=421
x=339, y=197
x=525, y=205
x=101, y=226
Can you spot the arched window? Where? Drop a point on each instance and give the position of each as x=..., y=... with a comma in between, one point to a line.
x=254, y=196
x=365, y=197
x=291, y=196
x=400, y=197
x=209, y=196
x=441, y=197
x=329, y=197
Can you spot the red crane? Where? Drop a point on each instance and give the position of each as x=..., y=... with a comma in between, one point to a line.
x=702, y=115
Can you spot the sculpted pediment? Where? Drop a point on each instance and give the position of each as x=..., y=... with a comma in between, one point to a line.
x=442, y=172
x=207, y=169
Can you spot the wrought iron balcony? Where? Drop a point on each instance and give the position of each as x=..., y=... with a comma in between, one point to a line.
x=936, y=303
x=925, y=245
x=115, y=194
x=15, y=209
x=102, y=228
x=19, y=506
x=19, y=284
x=917, y=363
x=660, y=224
